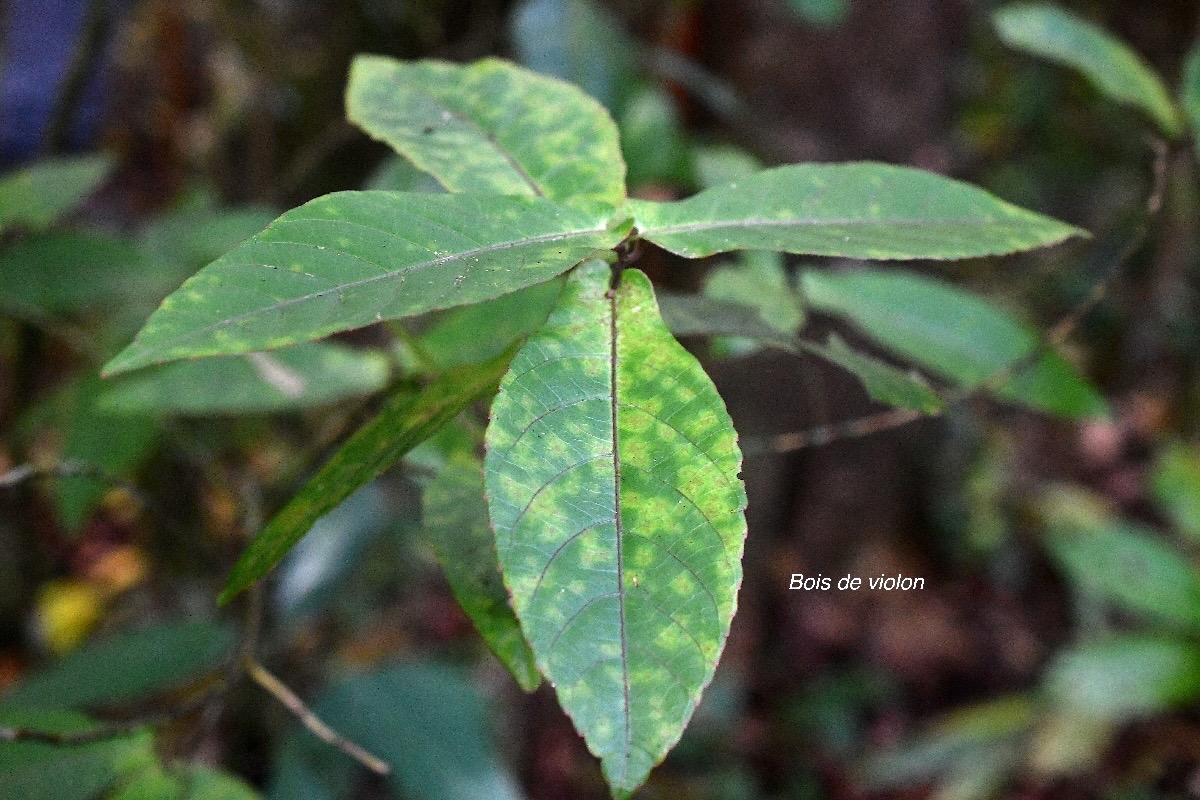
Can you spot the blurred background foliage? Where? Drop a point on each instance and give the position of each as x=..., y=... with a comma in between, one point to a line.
x=1055, y=649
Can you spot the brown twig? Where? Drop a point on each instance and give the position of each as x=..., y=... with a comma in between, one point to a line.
x=279, y=690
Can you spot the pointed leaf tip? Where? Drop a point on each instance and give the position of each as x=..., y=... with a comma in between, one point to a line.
x=857, y=210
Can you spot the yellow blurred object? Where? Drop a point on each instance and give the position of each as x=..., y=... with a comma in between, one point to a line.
x=66, y=612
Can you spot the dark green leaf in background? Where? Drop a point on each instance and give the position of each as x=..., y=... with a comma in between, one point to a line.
x=427, y=721
x=456, y=525
x=883, y=382
x=759, y=280
x=954, y=334
x=39, y=771
x=1125, y=677
x=490, y=127
x=125, y=666
x=697, y=315
x=1120, y=560
x=108, y=446
x=349, y=259
x=38, y=195
x=653, y=139
x=194, y=235
x=1054, y=33
x=455, y=337
x=1189, y=92
x=577, y=41
x=1175, y=484
x=859, y=210
x=960, y=739
x=306, y=375
x=67, y=272
x=404, y=422
x=315, y=569
x=612, y=477
x=821, y=13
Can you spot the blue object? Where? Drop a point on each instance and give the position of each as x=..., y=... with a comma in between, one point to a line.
x=40, y=39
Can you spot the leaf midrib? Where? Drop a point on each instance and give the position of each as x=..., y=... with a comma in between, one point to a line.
x=387, y=274
x=620, y=527
x=496, y=145
x=692, y=227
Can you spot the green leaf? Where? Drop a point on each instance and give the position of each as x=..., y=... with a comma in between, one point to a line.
x=697, y=315
x=207, y=783
x=353, y=258
x=38, y=195
x=41, y=771
x=954, y=334
x=113, y=446
x=404, y=422
x=425, y=720
x=189, y=238
x=821, y=13
x=189, y=782
x=1175, y=485
x=577, y=41
x=612, y=477
x=456, y=523
x=1120, y=560
x=719, y=164
x=66, y=272
x=1189, y=92
x=861, y=210
x=759, y=280
x=152, y=783
x=490, y=127
x=455, y=338
x=302, y=376
x=1126, y=677
x=1112, y=67
x=960, y=738
x=126, y=666
x=653, y=139
x=883, y=382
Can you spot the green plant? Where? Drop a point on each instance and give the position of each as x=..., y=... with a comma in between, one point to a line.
x=612, y=469
x=1134, y=587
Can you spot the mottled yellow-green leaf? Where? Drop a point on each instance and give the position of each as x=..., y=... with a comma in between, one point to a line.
x=491, y=127
x=612, y=477
x=858, y=210
x=349, y=259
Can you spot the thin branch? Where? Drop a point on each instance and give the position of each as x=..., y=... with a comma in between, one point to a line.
x=826, y=434
x=259, y=674
x=71, y=467
x=113, y=730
